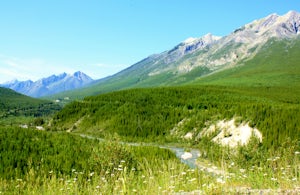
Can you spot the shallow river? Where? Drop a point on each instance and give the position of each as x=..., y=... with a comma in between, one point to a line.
x=188, y=158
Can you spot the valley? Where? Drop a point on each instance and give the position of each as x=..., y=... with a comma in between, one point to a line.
x=213, y=115
x=125, y=116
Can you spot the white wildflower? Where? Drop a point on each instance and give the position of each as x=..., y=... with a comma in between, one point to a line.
x=242, y=170
x=220, y=180
x=273, y=179
x=193, y=179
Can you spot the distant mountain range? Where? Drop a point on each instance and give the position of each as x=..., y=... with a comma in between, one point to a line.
x=196, y=58
x=50, y=85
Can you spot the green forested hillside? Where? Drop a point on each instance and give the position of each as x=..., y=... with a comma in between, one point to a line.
x=166, y=115
x=13, y=104
x=264, y=91
x=150, y=114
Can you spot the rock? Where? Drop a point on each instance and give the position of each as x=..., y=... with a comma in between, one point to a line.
x=230, y=134
x=186, y=155
x=40, y=128
x=189, y=135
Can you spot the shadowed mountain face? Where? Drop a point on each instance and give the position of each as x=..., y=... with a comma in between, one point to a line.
x=50, y=85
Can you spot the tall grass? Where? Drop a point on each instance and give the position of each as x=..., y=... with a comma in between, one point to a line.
x=114, y=168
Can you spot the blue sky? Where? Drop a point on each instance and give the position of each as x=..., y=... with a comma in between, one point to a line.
x=102, y=37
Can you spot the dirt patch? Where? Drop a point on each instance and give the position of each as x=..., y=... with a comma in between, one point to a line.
x=75, y=125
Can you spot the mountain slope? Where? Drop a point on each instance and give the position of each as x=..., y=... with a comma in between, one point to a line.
x=16, y=104
x=197, y=57
x=277, y=64
x=50, y=85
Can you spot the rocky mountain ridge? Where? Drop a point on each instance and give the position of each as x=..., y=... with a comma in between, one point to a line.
x=242, y=43
x=212, y=53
